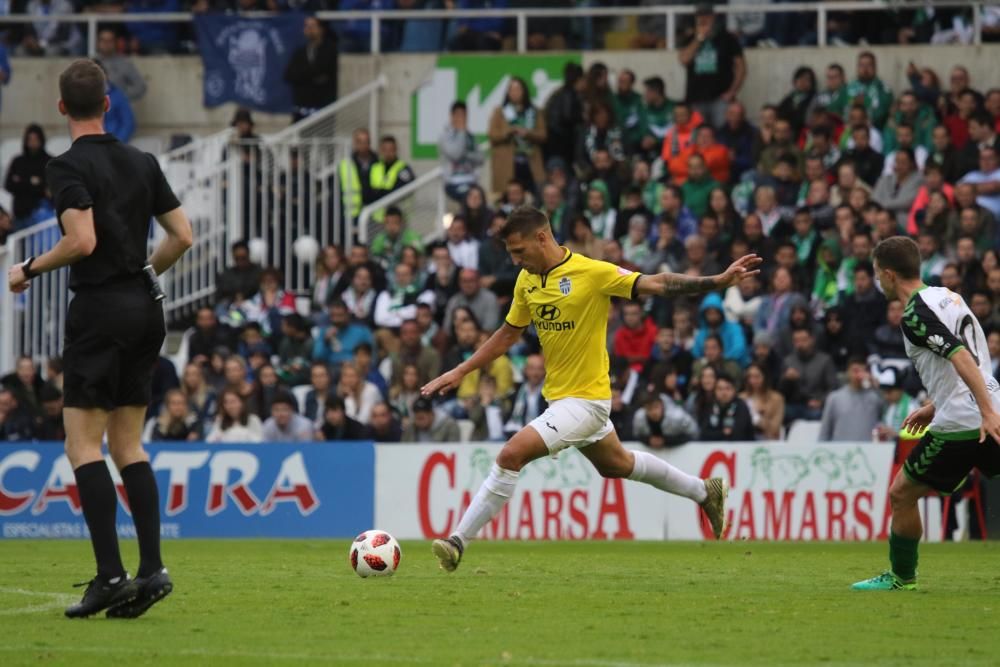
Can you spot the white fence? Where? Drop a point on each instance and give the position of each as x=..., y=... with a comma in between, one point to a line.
x=521, y=17
x=272, y=191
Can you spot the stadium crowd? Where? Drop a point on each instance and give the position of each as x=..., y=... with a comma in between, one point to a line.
x=628, y=174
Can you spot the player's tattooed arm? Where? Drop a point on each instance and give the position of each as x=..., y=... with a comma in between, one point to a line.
x=677, y=284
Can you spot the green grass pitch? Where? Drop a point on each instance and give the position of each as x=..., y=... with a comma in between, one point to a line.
x=579, y=604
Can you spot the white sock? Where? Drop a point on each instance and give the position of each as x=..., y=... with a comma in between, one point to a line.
x=654, y=471
x=489, y=500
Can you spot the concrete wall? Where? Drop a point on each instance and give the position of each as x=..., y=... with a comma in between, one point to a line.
x=173, y=103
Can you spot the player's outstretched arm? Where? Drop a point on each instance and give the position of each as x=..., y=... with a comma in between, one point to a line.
x=79, y=240
x=678, y=284
x=178, y=239
x=968, y=370
x=497, y=344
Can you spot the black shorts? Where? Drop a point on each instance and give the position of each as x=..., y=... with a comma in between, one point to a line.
x=943, y=464
x=114, y=334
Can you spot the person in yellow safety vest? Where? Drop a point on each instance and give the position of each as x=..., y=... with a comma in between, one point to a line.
x=355, y=173
x=389, y=173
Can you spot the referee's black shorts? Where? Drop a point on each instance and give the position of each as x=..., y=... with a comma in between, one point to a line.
x=113, y=338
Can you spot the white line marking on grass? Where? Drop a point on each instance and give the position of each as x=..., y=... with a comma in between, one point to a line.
x=56, y=601
x=273, y=656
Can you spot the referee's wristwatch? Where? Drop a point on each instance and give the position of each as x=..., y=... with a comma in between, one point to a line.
x=26, y=268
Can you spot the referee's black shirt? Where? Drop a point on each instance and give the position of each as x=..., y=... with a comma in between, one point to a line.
x=126, y=188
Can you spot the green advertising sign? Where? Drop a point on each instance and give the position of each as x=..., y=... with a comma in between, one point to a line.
x=481, y=81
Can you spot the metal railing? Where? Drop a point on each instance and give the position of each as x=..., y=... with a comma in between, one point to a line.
x=521, y=17
x=273, y=191
x=32, y=322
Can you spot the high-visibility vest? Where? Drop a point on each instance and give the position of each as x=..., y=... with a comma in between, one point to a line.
x=350, y=186
x=382, y=179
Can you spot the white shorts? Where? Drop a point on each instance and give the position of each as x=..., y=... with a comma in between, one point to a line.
x=573, y=422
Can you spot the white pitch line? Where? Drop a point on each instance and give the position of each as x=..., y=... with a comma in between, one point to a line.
x=368, y=657
x=56, y=601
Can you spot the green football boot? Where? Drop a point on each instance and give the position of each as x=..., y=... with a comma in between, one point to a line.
x=886, y=581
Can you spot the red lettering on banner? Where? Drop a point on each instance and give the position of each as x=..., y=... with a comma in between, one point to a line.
x=292, y=485
x=59, y=487
x=246, y=466
x=707, y=470
x=552, y=512
x=123, y=496
x=578, y=514
x=179, y=466
x=613, y=504
x=778, y=523
x=809, y=517
x=526, y=519
x=746, y=519
x=424, y=493
x=861, y=516
x=12, y=502
x=836, y=508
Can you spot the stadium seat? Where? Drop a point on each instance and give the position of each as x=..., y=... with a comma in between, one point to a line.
x=802, y=430
x=973, y=494
x=465, y=429
x=300, y=392
x=180, y=357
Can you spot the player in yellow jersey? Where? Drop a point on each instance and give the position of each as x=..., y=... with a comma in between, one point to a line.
x=567, y=297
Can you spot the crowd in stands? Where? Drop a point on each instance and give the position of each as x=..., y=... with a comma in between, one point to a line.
x=886, y=25
x=628, y=174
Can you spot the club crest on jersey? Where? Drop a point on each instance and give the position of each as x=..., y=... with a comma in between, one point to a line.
x=565, y=286
x=937, y=343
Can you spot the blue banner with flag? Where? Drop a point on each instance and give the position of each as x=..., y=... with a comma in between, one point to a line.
x=245, y=59
x=206, y=490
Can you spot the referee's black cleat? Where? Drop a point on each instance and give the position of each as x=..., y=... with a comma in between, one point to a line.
x=151, y=590
x=101, y=594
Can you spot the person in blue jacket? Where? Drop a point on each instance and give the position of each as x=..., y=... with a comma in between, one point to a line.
x=119, y=120
x=712, y=320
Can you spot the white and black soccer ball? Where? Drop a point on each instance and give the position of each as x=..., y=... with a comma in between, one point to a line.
x=375, y=553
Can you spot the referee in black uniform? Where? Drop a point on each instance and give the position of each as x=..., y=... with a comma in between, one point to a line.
x=105, y=194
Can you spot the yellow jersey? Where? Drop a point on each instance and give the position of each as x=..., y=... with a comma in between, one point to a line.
x=569, y=307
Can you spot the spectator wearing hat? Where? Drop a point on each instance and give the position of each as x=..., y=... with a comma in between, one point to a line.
x=851, y=413
x=50, y=426
x=430, y=425
x=727, y=418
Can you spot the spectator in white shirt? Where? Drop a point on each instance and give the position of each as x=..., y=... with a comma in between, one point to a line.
x=359, y=395
x=464, y=251
x=399, y=302
x=235, y=423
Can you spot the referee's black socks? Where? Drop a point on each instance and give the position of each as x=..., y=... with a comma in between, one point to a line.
x=100, y=504
x=144, y=501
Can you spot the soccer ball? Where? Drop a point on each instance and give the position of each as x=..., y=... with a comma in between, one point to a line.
x=375, y=553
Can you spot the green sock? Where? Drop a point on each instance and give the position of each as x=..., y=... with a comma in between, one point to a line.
x=903, y=556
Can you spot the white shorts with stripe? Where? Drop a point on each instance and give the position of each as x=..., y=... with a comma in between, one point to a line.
x=573, y=422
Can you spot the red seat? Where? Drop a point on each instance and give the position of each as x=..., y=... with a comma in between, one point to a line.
x=973, y=493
